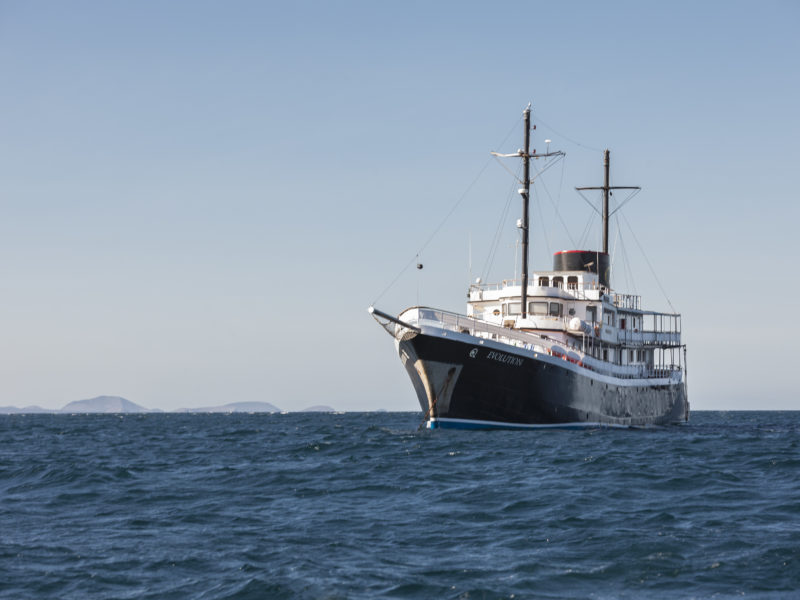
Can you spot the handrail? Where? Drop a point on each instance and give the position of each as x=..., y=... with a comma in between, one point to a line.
x=374, y=311
x=617, y=299
x=533, y=341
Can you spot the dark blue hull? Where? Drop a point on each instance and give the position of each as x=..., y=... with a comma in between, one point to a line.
x=465, y=382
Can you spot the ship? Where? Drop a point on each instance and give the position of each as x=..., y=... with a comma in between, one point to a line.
x=558, y=348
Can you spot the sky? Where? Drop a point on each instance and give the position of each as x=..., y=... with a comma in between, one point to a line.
x=199, y=200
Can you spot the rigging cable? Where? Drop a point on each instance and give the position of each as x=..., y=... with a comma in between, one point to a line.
x=647, y=260
x=510, y=172
x=628, y=199
x=538, y=204
x=627, y=272
x=541, y=223
x=419, y=278
x=555, y=208
x=589, y=202
x=447, y=216
x=498, y=234
x=539, y=120
x=625, y=265
x=533, y=179
x=614, y=253
x=584, y=239
x=627, y=257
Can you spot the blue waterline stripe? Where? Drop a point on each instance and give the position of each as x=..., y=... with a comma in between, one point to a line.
x=474, y=424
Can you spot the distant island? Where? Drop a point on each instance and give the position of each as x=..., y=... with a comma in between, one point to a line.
x=28, y=410
x=247, y=407
x=100, y=404
x=117, y=405
x=104, y=404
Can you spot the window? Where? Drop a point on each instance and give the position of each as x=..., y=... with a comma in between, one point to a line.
x=572, y=282
x=622, y=323
x=537, y=308
x=558, y=282
x=555, y=309
x=544, y=282
x=591, y=314
x=630, y=355
x=514, y=308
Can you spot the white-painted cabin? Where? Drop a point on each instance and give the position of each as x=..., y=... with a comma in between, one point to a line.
x=573, y=308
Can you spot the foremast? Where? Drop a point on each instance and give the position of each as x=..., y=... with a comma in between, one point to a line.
x=526, y=155
x=526, y=193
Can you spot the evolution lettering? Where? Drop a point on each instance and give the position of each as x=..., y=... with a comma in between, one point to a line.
x=505, y=358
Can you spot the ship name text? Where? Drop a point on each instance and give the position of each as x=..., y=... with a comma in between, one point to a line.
x=505, y=358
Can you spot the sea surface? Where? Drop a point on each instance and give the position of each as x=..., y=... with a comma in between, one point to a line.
x=362, y=505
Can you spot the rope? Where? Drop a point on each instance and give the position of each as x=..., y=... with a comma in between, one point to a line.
x=624, y=202
x=561, y=183
x=510, y=172
x=586, y=231
x=427, y=414
x=435, y=231
x=498, y=234
x=627, y=272
x=555, y=161
x=551, y=128
x=614, y=253
x=627, y=258
x=647, y=260
x=541, y=224
x=589, y=202
x=447, y=216
x=555, y=208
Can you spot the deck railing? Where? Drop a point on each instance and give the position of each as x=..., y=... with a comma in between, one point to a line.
x=450, y=321
x=576, y=290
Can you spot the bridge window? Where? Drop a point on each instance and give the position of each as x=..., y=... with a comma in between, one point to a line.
x=537, y=308
x=572, y=282
x=558, y=282
x=544, y=282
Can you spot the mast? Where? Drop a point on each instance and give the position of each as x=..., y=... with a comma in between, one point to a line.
x=606, y=188
x=526, y=192
x=606, y=162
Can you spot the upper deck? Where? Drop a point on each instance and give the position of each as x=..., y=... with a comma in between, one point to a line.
x=576, y=285
x=576, y=308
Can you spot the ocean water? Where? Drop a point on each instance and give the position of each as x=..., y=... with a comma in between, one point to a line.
x=362, y=505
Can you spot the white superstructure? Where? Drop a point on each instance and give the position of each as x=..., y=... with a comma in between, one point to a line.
x=573, y=308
